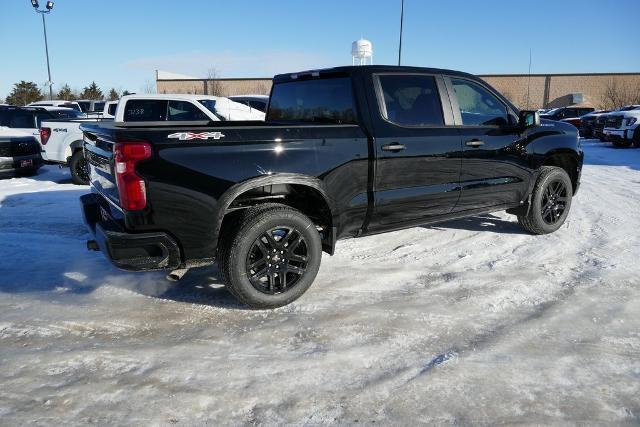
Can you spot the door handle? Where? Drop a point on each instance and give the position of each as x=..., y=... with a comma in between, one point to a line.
x=474, y=143
x=393, y=147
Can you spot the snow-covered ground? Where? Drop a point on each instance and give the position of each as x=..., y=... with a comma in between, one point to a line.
x=468, y=322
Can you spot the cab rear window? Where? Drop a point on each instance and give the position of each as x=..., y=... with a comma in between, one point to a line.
x=327, y=100
x=141, y=110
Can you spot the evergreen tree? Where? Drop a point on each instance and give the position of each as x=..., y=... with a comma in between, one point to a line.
x=92, y=92
x=24, y=93
x=65, y=93
x=113, y=95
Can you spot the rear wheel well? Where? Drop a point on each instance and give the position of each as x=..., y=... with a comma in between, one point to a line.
x=566, y=162
x=303, y=198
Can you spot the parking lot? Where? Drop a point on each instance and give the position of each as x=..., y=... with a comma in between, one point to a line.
x=471, y=321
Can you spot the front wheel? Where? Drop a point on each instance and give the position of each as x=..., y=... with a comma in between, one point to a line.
x=79, y=168
x=550, y=202
x=271, y=257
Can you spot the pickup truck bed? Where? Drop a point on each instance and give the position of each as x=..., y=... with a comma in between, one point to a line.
x=347, y=151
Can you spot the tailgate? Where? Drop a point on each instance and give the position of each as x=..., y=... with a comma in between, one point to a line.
x=98, y=150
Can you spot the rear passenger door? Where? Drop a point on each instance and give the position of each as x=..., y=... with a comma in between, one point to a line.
x=494, y=169
x=417, y=171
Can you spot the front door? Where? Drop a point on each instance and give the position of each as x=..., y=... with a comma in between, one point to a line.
x=417, y=169
x=494, y=171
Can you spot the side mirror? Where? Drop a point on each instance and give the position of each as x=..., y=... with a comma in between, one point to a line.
x=529, y=119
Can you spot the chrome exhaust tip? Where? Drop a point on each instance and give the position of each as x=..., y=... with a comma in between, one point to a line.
x=176, y=275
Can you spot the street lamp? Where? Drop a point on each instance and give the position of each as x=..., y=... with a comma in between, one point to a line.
x=401, y=22
x=48, y=6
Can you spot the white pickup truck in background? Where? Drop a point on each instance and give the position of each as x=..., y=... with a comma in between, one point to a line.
x=62, y=139
x=622, y=127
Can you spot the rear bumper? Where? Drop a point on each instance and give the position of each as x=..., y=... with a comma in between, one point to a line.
x=128, y=251
x=17, y=164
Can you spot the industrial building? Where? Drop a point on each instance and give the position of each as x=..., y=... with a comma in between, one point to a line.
x=534, y=91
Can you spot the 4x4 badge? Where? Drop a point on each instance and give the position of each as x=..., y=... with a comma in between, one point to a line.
x=186, y=136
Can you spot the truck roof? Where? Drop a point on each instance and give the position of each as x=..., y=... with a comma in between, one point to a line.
x=170, y=96
x=369, y=69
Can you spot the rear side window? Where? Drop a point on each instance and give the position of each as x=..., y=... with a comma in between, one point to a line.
x=327, y=100
x=184, y=111
x=478, y=106
x=145, y=110
x=411, y=100
x=22, y=119
x=112, y=109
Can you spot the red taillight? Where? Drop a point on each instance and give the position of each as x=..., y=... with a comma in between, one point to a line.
x=131, y=187
x=45, y=133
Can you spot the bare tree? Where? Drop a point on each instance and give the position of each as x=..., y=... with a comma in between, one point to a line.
x=149, y=87
x=617, y=95
x=213, y=84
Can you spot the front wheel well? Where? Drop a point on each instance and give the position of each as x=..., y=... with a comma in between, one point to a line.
x=304, y=198
x=566, y=162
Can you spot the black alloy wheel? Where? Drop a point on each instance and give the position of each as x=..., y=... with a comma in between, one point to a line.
x=554, y=202
x=79, y=168
x=277, y=260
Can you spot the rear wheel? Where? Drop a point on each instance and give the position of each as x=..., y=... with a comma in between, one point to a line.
x=271, y=256
x=550, y=202
x=636, y=137
x=79, y=168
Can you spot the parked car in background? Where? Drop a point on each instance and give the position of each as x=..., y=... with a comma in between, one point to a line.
x=62, y=139
x=622, y=127
x=109, y=111
x=588, y=123
x=28, y=119
x=259, y=102
x=19, y=153
x=181, y=107
x=56, y=103
x=91, y=105
x=566, y=113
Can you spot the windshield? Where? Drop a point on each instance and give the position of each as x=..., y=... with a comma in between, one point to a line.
x=210, y=105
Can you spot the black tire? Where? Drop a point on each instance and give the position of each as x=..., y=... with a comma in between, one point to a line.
x=550, y=202
x=246, y=243
x=636, y=137
x=79, y=168
x=621, y=143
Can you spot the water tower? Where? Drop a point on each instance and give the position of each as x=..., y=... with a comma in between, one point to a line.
x=361, y=52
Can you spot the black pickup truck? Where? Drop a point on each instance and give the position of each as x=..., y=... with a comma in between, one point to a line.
x=344, y=152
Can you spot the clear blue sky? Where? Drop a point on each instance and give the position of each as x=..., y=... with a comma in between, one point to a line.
x=119, y=43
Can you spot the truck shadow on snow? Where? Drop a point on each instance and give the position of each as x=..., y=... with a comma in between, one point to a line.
x=43, y=251
x=484, y=223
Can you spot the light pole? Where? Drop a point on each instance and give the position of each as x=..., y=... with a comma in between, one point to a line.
x=401, y=22
x=49, y=6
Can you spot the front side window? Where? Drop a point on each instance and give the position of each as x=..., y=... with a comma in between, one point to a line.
x=184, y=111
x=145, y=110
x=328, y=100
x=112, y=109
x=411, y=100
x=84, y=106
x=478, y=106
